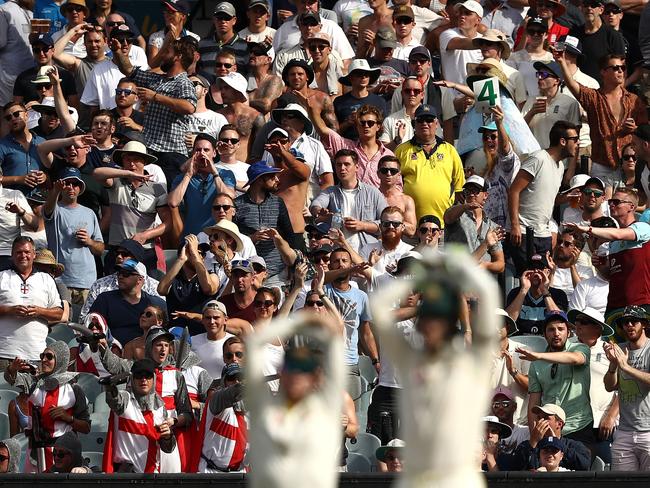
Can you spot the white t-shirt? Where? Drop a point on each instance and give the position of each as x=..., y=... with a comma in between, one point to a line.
x=76, y=49
x=562, y=278
x=288, y=36
x=348, y=210
x=574, y=215
x=210, y=352
x=239, y=169
x=590, y=293
x=24, y=337
x=10, y=223
x=208, y=122
x=523, y=62
x=158, y=38
x=454, y=62
x=387, y=259
x=402, y=51
x=351, y=11
x=520, y=433
x=249, y=36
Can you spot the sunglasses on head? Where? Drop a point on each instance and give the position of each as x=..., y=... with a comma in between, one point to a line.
x=314, y=303
x=367, y=123
x=219, y=207
x=124, y=91
x=47, y=355
x=231, y=355
x=395, y=224
x=229, y=140
x=13, y=115
x=389, y=171
x=590, y=191
x=264, y=303
x=618, y=68
x=223, y=65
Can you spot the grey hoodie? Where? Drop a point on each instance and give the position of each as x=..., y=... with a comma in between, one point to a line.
x=13, y=446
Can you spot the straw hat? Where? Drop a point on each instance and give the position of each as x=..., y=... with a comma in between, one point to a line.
x=63, y=8
x=227, y=227
x=134, y=147
x=496, y=36
x=46, y=258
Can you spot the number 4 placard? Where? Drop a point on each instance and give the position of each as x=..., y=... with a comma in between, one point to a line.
x=487, y=94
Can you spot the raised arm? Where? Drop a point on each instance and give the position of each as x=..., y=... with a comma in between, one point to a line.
x=68, y=61
x=60, y=104
x=314, y=113
x=571, y=84
x=46, y=148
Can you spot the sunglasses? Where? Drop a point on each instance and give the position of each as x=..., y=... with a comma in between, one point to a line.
x=395, y=224
x=115, y=23
x=13, y=115
x=123, y=253
x=223, y=18
x=60, y=454
x=619, y=68
x=231, y=355
x=615, y=202
x=392, y=457
x=71, y=182
x=589, y=192
x=323, y=258
x=367, y=123
x=40, y=49
x=44, y=86
x=612, y=11
x=309, y=23
x=124, y=91
x=403, y=20
x=504, y=404
x=418, y=61
x=491, y=137
x=47, y=355
x=542, y=75
x=219, y=208
x=412, y=91
x=223, y=65
x=318, y=47
x=148, y=314
x=264, y=303
x=572, y=138
x=126, y=274
x=74, y=8
x=535, y=32
x=425, y=120
x=565, y=243
x=121, y=39
x=229, y=140
x=142, y=376
x=428, y=230
x=629, y=157
x=281, y=140
x=389, y=171
x=314, y=303
x=472, y=190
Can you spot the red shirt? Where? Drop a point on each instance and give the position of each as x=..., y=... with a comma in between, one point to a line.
x=629, y=262
x=234, y=311
x=554, y=33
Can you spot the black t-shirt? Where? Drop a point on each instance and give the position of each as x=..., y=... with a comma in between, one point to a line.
x=124, y=318
x=98, y=158
x=186, y=296
x=23, y=86
x=57, y=133
x=347, y=104
x=531, y=316
x=594, y=46
x=136, y=116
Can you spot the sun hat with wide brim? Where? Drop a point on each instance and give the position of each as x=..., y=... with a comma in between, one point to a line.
x=558, y=8
x=512, y=325
x=505, y=430
x=592, y=315
x=363, y=66
x=394, y=445
x=82, y=3
x=44, y=257
x=496, y=36
x=296, y=108
x=227, y=227
x=134, y=147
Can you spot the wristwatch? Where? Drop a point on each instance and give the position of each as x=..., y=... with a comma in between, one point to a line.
x=375, y=361
x=514, y=372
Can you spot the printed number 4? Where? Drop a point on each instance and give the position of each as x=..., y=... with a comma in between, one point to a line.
x=487, y=93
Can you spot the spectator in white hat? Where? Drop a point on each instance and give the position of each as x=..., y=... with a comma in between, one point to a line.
x=457, y=44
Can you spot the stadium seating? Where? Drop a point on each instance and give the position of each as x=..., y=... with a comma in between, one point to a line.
x=358, y=463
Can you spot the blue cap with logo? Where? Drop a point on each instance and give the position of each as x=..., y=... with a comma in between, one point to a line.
x=71, y=173
x=425, y=110
x=552, y=442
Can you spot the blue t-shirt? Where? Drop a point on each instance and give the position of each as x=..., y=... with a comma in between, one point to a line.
x=61, y=228
x=359, y=311
x=124, y=318
x=347, y=104
x=48, y=9
x=198, y=199
x=15, y=162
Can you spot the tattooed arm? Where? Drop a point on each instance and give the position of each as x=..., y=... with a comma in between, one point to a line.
x=328, y=115
x=266, y=94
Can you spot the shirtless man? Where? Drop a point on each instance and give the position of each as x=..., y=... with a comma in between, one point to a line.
x=320, y=49
x=294, y=180
x=297, y=76
x=225, y=63
x=382, y=16
x=269, y=86
x=238, y=112
x=388, y=170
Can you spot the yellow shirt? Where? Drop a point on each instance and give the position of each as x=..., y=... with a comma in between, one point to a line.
x=431, y=181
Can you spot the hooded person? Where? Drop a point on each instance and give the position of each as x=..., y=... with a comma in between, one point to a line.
x=68, y=457
x=170, y=383
x=139, y=437
x=10, y=465
x=224, y=427
x=88, y=359
x=56, y=405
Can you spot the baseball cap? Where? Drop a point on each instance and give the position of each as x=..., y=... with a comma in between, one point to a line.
x=202, y=80
x=215, y=305
x=277, y=131
x=309, y=15
x=572, y=45
x=144, y=366
x=477, y=181
x=121, y=31
x=503, y=390
x=237, y=82
x=551, y=67
x=403, y=11
x=419, y=51
x=181, y=6
x=133, y=247
x=594, y=180
x=538, y=22
x=231, y=370
x=538, y=261
x=259, y=260
x=472, y=6
x=320, y=228
x=324, y=249
x=550, y=409
x=578, y=181
x=320, y=36
x=134, y=267
x=71, y=173
x=511, y=324
x=425, y=110
x=554, y=442
x=44, y=39
x=225, y=8
x=261, y=3
x=243, y=264
x=554, y=316
x=386, y=38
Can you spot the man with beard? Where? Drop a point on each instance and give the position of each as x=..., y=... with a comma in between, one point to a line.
x=260, y=211
x=591, y=204
x=568, y=271
x=240, y=303
x=94, y=38
x=263, y=85
x=629, y=365
x=468, y=224
x=73, y=233
x=561, y=374
x=127, y=118
x=238, y=112
x=170, y=98
x=19, y=159
x=527, y=303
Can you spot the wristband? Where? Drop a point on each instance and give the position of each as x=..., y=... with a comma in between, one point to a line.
x=154, y=96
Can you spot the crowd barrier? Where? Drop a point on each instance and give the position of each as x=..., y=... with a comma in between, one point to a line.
x=374, y=480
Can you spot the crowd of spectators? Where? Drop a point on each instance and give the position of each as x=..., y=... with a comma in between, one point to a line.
x=170, y=195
